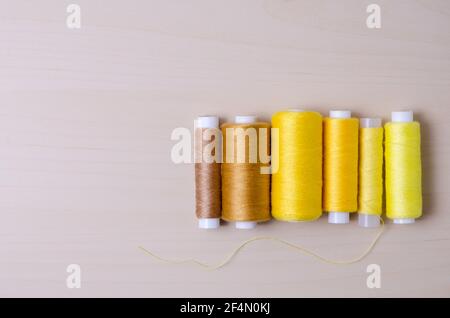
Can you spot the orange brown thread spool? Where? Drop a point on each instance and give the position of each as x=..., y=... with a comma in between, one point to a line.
x=245, y=190
x=208, y=148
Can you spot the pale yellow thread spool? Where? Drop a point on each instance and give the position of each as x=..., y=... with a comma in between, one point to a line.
x=245, y=189
x=403, y=168
x=297, y=185
x=340, y=195
x=370, y=194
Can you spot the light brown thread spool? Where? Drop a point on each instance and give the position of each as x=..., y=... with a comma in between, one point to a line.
x=207, y=172
x=245, y=190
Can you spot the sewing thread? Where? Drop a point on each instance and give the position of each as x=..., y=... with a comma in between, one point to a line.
x=370, y=192
x=207, y=171
x=403, y=170
x=245, y=190
x=298, y=248
x=340, y=165
x=297, y=185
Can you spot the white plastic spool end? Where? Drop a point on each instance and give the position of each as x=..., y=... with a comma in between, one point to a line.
x=404, y=221
x=402, y=116
x=244, y=119
x=245, y=225
x=340, y=114
x=295, y=110
x=368, y=220
x=370, y=122
x=208, y=122
x=338, y=217
x=341, y=217
x=209, y=223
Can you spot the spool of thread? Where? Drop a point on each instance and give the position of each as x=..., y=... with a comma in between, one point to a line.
x=245, y=190
x=340, y=195
x=370, y=194
x=207, y=172
x=403, y=168
x=297, y=184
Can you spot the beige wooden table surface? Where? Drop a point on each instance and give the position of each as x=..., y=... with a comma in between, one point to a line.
x=86, y=117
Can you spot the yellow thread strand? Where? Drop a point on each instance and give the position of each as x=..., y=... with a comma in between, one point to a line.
x=403, y=170
x=296, y=247
x=340, y=164
x=370, y=171
x=297, y=185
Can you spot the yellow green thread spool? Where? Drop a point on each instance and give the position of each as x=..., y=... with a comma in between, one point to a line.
x=297, y=184
x=403, y=168
x=340, y=194
x=370, y=186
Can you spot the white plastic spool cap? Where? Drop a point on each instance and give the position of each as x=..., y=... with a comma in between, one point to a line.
x=403, y=117
x=370, y=122
x=244, y=119
x=369, y=220
x=295, y=110
x=341, y=217
x=245, y=225
x=340, y=114
x=211, y=223
x=208, y=122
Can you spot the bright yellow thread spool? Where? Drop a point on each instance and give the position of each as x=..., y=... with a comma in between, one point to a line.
x=245, y=189
x=403, y=169
x=297, y=184
x=340, y=195
x=370, y=194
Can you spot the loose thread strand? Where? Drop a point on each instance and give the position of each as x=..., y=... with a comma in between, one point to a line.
x=299, y=248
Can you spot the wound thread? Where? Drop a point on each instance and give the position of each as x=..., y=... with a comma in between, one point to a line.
x=370, y=193
x=297, y=185
x=340, y=165
x=403, y=170
x=207, y=190
x=207, y=172
x=245, y=190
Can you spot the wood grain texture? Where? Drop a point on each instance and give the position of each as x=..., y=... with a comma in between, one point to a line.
x=85, y=123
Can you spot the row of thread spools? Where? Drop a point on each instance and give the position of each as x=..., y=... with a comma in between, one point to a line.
x=301, y=164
